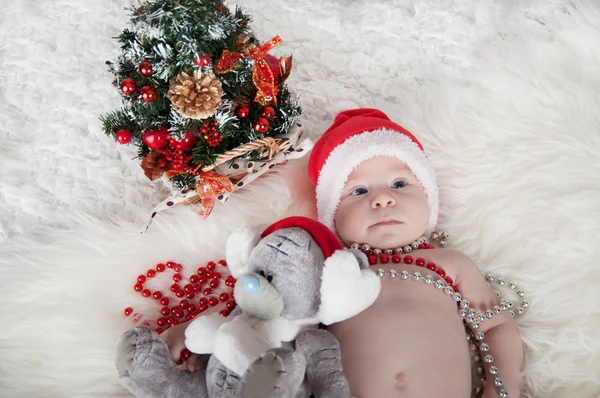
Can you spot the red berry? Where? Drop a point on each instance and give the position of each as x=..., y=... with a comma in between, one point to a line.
x=177, y=277
x=138, y=287
x=160, y=267
x=420, y=262
x=148, y=94
x=202, y=59
x=207, y=291
x=190, y=295
x=268, y=112
x=441, y=272
x=431, y=266
x=448, y=279
x=170, y=264
x=161, y=321
x=203, y=302
x=242, y=111
x=128, y=86
x=384, y=258
x=210, y=273
x=146, y=293
x=165, y=311
x=223, y=263
x=230, y=304
x=396, y=258
x=214, y=283
x=180, y=294
x=224, y=313
x=224, y=297
x=151, y=273
x=164, y=301
x=211, y=265
x=217, y=275
x=141, y=279
x=157, y=295
x=128, y=311
x=201, y=271
x=372, y=260
x=146, y=69
x=194, y=279
x=123, y=136
x=159, y=330
x=261, y=125
x=408, y=259
x=213, y=301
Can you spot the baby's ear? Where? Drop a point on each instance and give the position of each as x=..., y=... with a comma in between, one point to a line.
x=238, y=248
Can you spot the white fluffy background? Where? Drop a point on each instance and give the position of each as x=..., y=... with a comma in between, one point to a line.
x=505, y=95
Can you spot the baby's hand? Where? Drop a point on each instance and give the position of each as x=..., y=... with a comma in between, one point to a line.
x=175, y=339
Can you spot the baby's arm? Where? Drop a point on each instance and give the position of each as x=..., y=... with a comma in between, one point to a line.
x=501, y=331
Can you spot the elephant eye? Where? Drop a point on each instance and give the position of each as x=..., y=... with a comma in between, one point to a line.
x=262, y=273
x=269, y=278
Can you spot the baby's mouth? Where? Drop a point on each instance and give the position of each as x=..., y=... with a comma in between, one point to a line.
x=387, y=222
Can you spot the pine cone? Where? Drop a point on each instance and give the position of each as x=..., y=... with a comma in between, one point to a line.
x=197, y=96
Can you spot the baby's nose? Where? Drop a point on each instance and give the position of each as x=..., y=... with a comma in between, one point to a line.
x=382, y=201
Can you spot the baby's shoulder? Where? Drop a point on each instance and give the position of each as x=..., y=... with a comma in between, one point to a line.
x=453, y=261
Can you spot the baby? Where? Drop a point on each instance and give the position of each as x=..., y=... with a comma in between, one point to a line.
x=376, y=190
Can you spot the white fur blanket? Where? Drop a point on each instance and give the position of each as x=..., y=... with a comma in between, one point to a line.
x=505, y=96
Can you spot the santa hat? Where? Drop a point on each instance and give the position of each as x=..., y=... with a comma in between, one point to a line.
x=346, y=289
x=358, y=135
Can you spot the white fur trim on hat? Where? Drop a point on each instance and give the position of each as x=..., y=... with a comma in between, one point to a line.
x=346, y=290
x=238, y=248
x=358, y=148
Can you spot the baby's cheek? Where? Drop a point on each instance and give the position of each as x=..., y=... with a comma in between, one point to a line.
x=348, y=226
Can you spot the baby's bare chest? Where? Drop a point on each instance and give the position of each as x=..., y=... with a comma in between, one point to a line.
x=412, y=329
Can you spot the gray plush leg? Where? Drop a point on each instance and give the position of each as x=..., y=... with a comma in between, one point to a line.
x=278, y=373
x=147, y=370
x=323, y=363
x=221, y=382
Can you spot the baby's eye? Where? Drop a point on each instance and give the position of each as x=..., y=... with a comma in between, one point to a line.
x=399, y=184
x=359, y=191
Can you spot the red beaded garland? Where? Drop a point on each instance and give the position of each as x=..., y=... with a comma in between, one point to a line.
x=183, y=309
x=384, y=258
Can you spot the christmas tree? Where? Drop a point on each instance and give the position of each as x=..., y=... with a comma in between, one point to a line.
x=197, y=86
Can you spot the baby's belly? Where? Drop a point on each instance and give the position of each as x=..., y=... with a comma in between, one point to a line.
x=409, y=343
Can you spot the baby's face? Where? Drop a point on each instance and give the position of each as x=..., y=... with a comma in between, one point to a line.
x=382, y=205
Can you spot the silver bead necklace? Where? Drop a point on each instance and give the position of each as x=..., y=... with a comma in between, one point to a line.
x=470, y=316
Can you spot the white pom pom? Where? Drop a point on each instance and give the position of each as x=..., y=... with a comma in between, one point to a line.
x=346, y=290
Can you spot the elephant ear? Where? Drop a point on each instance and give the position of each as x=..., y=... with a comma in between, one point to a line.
x=238, y=248
x=346, y=287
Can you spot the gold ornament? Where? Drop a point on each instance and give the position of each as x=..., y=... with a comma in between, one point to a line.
x=197, y=96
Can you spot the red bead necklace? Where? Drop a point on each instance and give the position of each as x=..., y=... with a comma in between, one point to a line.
x=206, y=283
x=376, y=256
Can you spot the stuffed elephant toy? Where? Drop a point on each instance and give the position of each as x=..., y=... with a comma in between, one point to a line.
x=290, y=279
